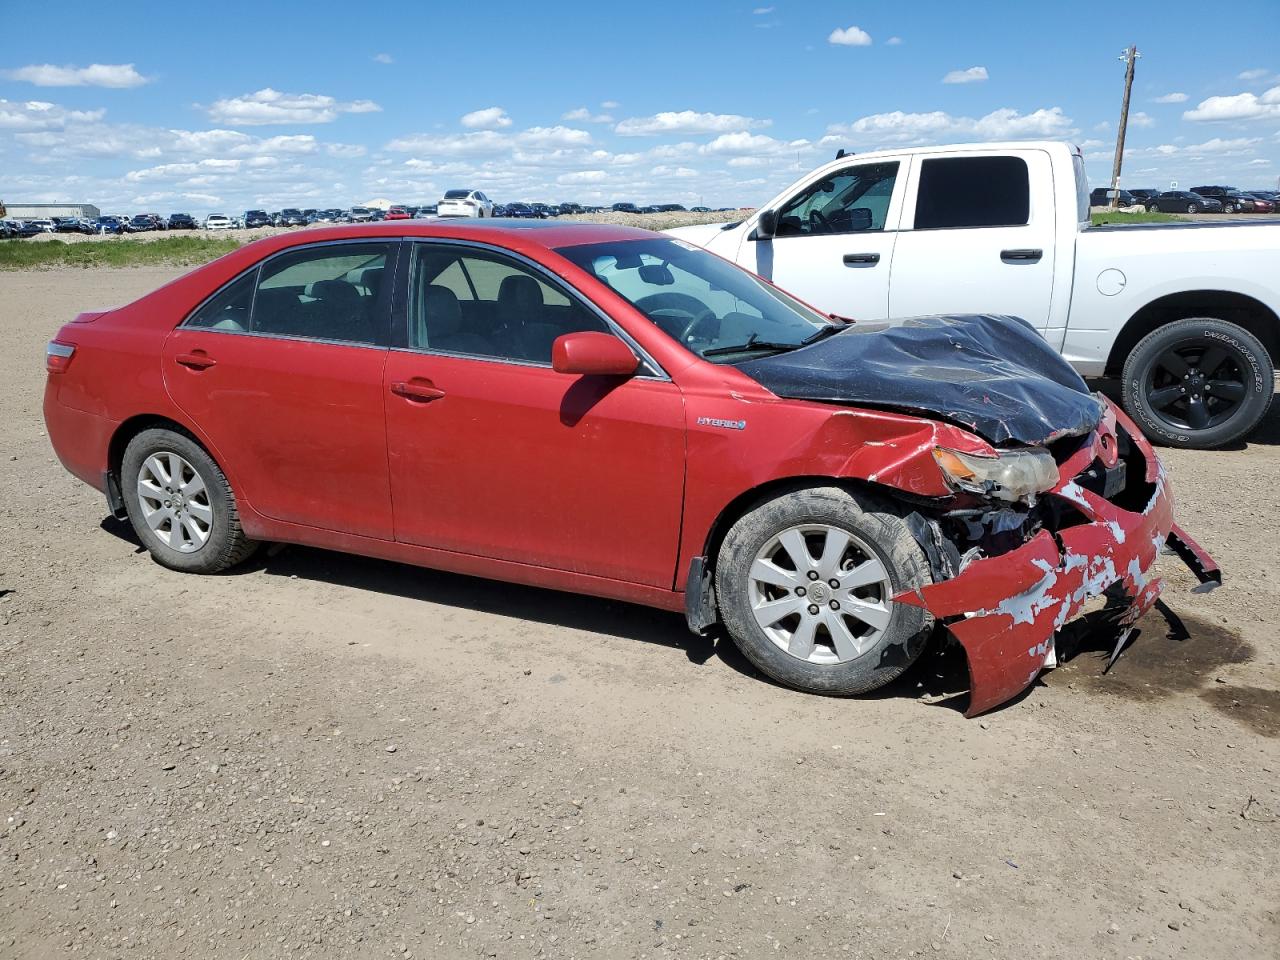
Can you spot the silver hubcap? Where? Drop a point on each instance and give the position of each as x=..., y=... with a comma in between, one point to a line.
x=175, y=502
x=820, y=593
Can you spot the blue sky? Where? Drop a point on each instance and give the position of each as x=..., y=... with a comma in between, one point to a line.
x=183, y=106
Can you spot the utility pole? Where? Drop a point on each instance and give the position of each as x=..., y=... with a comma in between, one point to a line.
x=1129, y=57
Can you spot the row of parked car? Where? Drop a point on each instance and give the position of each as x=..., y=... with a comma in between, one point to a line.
x=1206, y=199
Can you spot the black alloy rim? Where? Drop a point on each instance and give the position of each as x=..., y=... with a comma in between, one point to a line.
x=1196, y=387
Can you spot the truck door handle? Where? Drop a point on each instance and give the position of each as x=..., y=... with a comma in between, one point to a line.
x=862, y=258
x=417, y=390
x=1021, y=255
x=196, y=360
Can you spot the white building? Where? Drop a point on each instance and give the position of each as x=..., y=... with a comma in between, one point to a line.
x=43, y=211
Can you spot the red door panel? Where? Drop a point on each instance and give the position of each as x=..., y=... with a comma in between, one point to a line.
x=300, y=422
x=518, y=462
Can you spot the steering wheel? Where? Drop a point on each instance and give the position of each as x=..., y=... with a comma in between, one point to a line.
x=677, y=303
x=819, y=219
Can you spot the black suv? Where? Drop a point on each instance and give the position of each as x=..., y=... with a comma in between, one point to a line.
x=1232, y=200
x=1101, y=197
x=1145, y=196
x=624, y=208
x=256, y=218
x=291, y=217
x=182, y=221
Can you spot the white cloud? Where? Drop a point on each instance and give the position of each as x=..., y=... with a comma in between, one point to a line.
x=893, y=42
x=1141, y=120
x=583, y=115
x=383, y=58
x=1217, y=146
x=1242, y=106
x=763, y=11
x=583, y=176
x=610, y=104
x=755, y=144
x=850, y=37
x=490, y=118
x=686, y=121
x=345, y=150
x=38, y=115
x=268, y=106
x=118, y=75
x=972, y=75
x=1172, y=98
x=488, y=142
x=1256, y=74
x=916, y=128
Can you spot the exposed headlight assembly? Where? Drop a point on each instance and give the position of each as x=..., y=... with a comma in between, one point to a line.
x=1011, y=475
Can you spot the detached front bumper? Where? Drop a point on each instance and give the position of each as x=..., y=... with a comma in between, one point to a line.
x=1006, y=610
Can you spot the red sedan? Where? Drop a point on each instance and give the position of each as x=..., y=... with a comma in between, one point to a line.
x=610, y=411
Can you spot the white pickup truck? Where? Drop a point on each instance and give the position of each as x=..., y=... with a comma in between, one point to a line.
x=1185, y=314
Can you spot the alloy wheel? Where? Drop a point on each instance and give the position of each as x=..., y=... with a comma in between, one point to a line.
x=175, y=502
x=1194, y=387
x=821, y=594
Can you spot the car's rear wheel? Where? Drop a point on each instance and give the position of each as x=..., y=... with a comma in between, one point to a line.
x=1198, y=383
x=805, y=585
x=180, y=503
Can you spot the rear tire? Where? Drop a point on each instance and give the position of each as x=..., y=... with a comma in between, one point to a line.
x=181, y=505
x=786, y=554
x=1198, y=383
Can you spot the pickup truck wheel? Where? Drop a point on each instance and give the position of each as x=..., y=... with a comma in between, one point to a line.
x=1229, y=208
x=1198, y=383
x=805, y=585
x=1193, y=208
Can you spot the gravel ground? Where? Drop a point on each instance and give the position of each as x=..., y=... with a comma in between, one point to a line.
x=325, y=756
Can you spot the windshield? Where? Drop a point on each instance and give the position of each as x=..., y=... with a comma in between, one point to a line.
x=717, y=310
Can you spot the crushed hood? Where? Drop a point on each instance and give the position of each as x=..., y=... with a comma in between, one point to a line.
x=993, y=374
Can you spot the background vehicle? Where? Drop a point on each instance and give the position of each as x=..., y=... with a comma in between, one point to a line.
x=1231, y=199
x=464, y=203
x=398, y=213
x=359, y=215
x=256, y=218
x=624, y=207
x=140, y=223
x=642, y=392
x=570, y=208
x=108, y=225
x=292, y=217
x=520, y=211
x=1101, y=197
x=40, y=226
x=182, y=221
x=1184, y=201
x=1186, y=317
x=544, y=210
x=1262, y=203
x=217, y=221
x=1145, y=196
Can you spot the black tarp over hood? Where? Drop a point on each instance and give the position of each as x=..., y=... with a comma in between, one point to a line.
x=995, y=375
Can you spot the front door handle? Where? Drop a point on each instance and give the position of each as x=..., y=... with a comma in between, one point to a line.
x=1025, y=256
x=871, y=258
x=196, y=360
x=418, y=390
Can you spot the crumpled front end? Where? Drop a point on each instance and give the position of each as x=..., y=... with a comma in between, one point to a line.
x=1009, y=581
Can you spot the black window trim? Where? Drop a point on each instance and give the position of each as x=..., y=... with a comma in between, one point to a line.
x=387, y=321
x=400, y=310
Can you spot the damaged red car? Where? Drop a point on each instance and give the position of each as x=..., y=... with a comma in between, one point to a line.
x=609, y=411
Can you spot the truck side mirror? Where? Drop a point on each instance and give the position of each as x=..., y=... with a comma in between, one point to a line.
x=766, y=225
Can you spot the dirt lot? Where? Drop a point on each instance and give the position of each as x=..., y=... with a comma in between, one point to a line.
x=324, y=756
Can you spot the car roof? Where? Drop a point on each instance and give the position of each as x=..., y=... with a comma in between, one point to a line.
x=513, y=234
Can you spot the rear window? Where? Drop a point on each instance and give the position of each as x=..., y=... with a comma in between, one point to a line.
x=456, y=194
x=973, y=192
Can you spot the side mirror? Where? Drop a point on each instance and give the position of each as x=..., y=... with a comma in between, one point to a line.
x=593, y=354
x=766, y=225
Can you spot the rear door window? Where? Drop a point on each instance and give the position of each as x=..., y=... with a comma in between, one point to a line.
x=973, y=192
x=330, y=292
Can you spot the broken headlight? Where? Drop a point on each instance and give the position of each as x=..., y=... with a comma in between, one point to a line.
x=1011, y=475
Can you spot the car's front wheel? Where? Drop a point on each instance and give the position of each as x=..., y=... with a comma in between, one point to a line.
x=1229, y=208
x=1193, y=208
x=805, y=585
x=1198, y=383
x=180, y=503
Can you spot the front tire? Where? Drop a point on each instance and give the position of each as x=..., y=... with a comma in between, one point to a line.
x=1229, y=208
x=805, y=585
x=180, y=504
x=1198, y=383
x=1193, y=208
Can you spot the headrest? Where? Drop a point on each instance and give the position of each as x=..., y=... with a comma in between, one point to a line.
x=519, y=293
x=371, y=279
x=442, y=312
x=339, y=293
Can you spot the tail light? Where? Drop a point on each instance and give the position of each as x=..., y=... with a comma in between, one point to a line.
x=58, y=355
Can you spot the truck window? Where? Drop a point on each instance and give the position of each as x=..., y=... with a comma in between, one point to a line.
x=973, y=192
x=852, y=200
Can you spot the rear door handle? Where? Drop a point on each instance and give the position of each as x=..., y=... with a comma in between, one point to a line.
x=1021, y=255
x=862, y=258
x=420, y=391
x=196, y=360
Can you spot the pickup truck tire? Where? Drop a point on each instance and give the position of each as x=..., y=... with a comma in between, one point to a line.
x=796, y=576
x=1198, y=383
